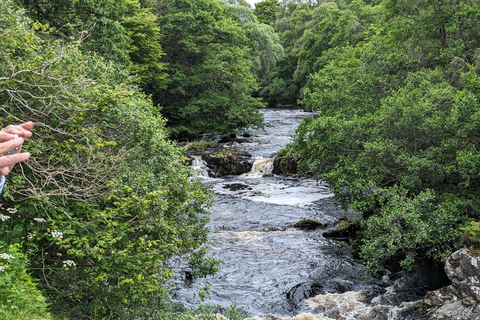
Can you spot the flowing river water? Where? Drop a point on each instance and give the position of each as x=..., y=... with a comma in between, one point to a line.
x=268, y=266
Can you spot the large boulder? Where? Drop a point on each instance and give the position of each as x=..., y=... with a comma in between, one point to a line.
x=460, y=300
x=285, y=166
x=228, y=161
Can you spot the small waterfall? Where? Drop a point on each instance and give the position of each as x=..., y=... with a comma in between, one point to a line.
x=197, y=161
x=200, y=167
x=261, y=167
x=293, y=274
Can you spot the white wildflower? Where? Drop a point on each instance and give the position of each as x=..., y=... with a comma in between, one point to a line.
x=39, y=220
x=2, y=268
x=3, y=217
x=57, y=234
x=69, y=263
x=12, y=210
x=31, y=235
x=14, y=307
x=6, y=256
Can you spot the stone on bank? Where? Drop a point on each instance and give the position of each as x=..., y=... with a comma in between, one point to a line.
x=460, y=300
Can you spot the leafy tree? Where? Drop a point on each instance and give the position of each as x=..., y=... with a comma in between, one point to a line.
x=144, y=47
x=105, y=199
x=332, y=28
x=264, y=42
x=71, y=19
x=313, y=38
x=124, y=31
x=265, y=11
x=396, y=131
x=210, y=83
x=278, y=86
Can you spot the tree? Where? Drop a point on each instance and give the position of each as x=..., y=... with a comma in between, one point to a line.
x=265, y=11
x=332, y=29
x=393, y=134
x=210, y=83
x=266, y=49
x=278, y=86
x=123, y=31
x=144, y=47
x=105, y=199
x=100, y=19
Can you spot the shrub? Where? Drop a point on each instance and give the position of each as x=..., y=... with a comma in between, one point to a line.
x=471, y=235
x=19, y=296
x=104, y=193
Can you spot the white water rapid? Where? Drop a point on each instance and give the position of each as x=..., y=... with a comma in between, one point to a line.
x=272, y=269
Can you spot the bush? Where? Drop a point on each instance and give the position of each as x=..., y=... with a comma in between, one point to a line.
x=410, y=164
x=105, y=193
x=19, y=297
x=471, y=235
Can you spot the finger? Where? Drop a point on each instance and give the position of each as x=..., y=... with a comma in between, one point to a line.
x=19, y=150
x=27, y=125
x=7, y=161
x=22, y=130
x=10, y=145
x=5, y=136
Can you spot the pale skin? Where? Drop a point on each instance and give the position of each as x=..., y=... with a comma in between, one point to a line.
x=8, y=141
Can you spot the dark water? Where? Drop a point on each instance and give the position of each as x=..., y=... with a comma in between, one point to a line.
x=269, y=267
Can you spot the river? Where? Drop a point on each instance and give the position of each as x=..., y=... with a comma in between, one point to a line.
x=268, y=266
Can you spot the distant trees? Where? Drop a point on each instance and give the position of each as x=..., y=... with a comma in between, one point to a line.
x=210, y=81
x=266, y=10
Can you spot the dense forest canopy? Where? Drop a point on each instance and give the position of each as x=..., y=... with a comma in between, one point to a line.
x=106, y=199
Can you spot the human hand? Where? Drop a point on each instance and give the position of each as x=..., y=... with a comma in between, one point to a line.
x=11, y=138
x=22, y=130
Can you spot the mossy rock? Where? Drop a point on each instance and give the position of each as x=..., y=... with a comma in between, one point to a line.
x=345, y=229
x=228, y=161
x=308, y=224
x=200, y=146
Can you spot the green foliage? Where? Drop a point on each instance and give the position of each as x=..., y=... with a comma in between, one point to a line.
x=265, y=11
x=123, y=31
x=144, y=48
x=234, y=312
x=471, y=235
x=70, y=19
x=313, y=38
x=105, y=200
x=201, y=145
x=400, y=146
x=406, y=226
x=332, y=28
x=210, y=83
x=266, y=49
x=19, y=296
x=278, y=86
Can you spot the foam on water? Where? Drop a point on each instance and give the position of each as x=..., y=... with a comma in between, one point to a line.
x=279, y=191
x=271, y=269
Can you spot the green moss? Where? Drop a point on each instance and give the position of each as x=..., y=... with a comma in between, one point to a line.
x=201, y=145
x=471, y=235
x=308, y=224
